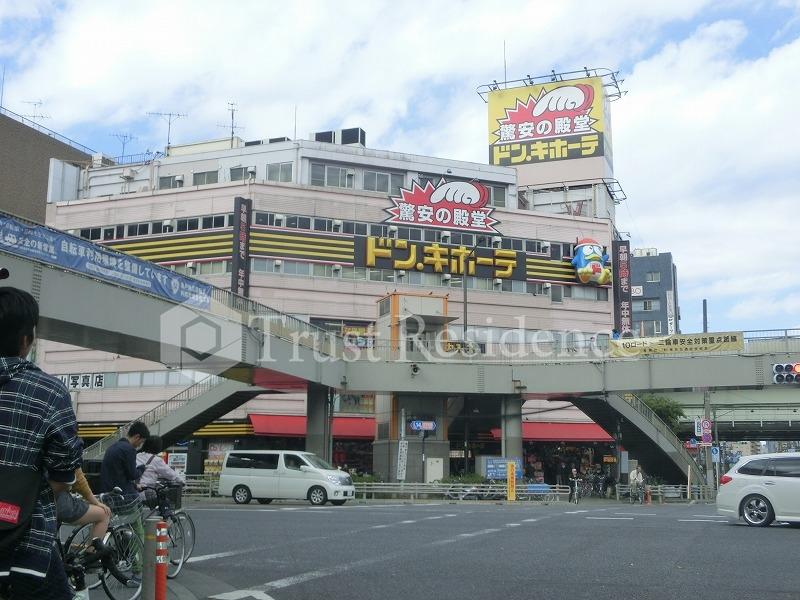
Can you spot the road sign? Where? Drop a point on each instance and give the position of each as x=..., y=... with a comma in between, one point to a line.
x=706, y=425
x=418, y=425
x=692, y=443
x=707, y=437
x=402, y=460
x=698, y=428
x=715, y=454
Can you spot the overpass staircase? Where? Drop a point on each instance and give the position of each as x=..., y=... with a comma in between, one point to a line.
x=644, y=435
x=180, y=416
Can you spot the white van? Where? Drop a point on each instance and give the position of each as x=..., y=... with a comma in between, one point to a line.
x=269, y=474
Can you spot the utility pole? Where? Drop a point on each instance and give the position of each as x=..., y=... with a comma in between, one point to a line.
x=705, y=315
x=707, y=413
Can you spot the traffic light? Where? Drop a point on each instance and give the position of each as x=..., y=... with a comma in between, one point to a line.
x=786, y=373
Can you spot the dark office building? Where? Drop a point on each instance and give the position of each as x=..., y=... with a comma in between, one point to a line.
x=654, y=291
x=25, y=152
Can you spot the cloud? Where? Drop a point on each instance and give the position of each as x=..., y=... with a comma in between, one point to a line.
x=352, y=60
x=703, y=147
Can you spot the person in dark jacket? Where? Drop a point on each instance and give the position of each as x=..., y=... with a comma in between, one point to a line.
x=119, y=462
x=38, y=431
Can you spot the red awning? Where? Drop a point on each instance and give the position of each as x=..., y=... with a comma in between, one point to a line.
x=560, y=432
x=295, y=426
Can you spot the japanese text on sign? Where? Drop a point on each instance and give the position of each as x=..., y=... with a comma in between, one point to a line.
x=390, y=253
x=553, y=121
x=706, y=342
x=461, y=205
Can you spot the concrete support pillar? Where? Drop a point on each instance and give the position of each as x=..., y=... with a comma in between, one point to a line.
x=318, y=429
x=512, y=426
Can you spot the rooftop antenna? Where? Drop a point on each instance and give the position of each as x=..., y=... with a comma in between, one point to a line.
x=170, y=117
x=232, y=108
x=2, y=85
x=123, y=138
x=505, y=69
x=295, y=122
x=36, y=113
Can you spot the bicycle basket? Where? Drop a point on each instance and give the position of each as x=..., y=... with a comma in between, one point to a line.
x=174, y=494
x=124, y=509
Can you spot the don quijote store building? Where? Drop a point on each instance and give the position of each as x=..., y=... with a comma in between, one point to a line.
x=340, y=230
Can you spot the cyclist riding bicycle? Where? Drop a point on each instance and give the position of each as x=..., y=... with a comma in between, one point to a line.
x=574, y=482
x=636, y=481
x=152, y=467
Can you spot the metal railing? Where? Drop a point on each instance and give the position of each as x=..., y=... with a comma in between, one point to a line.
x=665, y=431
x=664, y=492
x=460, y=491
x=154, y=415
x=250, y=312
x=44, y=130
x=204, y=486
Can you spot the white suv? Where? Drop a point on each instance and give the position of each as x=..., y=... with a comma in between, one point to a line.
x=761, y=489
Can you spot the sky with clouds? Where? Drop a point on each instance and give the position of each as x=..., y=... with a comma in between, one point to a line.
x=706, y=141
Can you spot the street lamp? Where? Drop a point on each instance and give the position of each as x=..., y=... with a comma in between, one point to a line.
x=478, y=242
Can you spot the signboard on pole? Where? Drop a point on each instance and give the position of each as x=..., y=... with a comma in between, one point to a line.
x=715, y=454
x=623, y=307
x=496, y=467
x=402, y=459
x=240, y=256
x=698, y=428
x=512, y=481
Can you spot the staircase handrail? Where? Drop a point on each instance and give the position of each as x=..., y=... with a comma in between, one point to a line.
x=648, y=413
x=152, y=416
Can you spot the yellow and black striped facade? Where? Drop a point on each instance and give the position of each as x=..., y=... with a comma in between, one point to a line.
x=294, y=244
x=101, y=430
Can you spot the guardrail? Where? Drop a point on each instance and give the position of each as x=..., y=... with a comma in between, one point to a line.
x=678, y=493
x=460, y=491
x=204, y=486
x=44, y=130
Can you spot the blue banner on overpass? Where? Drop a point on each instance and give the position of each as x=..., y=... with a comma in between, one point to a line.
x=62, y=250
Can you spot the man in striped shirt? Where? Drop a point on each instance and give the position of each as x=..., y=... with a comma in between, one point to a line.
x=38, y=431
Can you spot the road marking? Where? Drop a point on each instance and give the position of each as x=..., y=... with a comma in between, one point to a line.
x=611, y=518
x=638, y=514
x=529, y=520
x=432, y=518
x=513, y=524
x=451, y=515
x=481, y=532
x=240, y=594
x=575, y=512
x=406, y=522
x=711, y=516
x=195, y=559
x=701, y=521
x=378, y=526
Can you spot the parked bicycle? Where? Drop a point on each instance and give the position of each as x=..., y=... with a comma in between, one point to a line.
x=575, y=485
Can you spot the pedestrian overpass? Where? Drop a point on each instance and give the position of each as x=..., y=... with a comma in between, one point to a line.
x=257, y=349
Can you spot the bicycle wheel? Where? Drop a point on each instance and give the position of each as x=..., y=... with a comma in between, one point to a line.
x=176, y=545
x=189, y=531
x=76, y=542
x=123, y=580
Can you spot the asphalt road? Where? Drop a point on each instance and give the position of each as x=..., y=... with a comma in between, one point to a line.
x=597, y=550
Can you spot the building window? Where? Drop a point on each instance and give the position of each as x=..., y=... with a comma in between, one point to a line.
x=91, y=234
x=239, y=173
x=653, y=277
x=214, y=267
x=648, y=328
x=537, y=289
x=388, y=183
x=205, y=177
x=213, y=222
x=135, y=229
x=188, y=224
x=497, y=195
x=281, y=172
x=169, y=182
x=657, y=327
x=331, y=176
x=648, y=305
